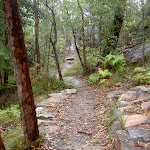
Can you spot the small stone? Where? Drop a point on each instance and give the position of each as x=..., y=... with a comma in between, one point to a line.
x=145, y=105
x=69, y=91
x=43, y=113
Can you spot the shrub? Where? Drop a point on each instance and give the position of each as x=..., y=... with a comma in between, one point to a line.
x=141, y=75
x=115, y=62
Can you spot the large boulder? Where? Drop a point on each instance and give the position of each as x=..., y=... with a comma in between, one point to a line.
x=135, y=53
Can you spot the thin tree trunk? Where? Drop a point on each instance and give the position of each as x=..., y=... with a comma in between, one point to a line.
x=65, y=45
x=53, y=42
x=1, y=144
x=36, y=10
x=1, y=78
x=5, y=77
x=49, y=49
x=143, y=49
x=21, y=70
x=83, y=35
x=77, y=50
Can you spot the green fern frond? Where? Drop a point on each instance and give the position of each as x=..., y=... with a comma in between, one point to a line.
x=94, y=77
x=104, y=73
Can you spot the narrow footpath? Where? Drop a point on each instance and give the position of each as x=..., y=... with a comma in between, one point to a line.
x=74, y=119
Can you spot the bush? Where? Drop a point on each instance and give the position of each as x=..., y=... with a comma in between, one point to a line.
x=45, y=83
x=141, y=75
x=114, y=62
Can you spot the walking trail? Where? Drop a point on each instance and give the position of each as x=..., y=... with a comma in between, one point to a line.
x=74, y=120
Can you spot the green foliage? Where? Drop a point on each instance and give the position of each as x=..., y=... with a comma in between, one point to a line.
x=139, y=70
x=100, y=77
x=10, y=116
x=115, y=62
x=75, y=70
x=94, y=78
x=13, y=138
x=104, y=74
x=141, y=75
x=5, y=58
x=45, y=83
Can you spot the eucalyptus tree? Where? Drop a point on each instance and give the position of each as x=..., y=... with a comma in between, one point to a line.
x=21, y=70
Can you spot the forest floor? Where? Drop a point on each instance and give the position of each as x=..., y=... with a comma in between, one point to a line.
x=78, y=120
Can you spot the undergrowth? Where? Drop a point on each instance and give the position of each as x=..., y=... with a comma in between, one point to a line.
x=45, y=84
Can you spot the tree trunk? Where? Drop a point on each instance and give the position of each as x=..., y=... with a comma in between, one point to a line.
x=1, y=144
x=21, y=70
x=65, y=45
x=1, y=82
x=77, y=50
x=83, y=35
x=143, y=19
x=5, y=77
x=36, y=9
x=57, y=62
x=116, y=28
x=53, y=42
x=49, y=49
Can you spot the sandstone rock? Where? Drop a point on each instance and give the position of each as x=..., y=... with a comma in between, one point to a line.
x=59, y=96
x=48, y=129
x=135, y=53
x=134, y=120
x=136, y=133
x=123, y=103
x=129, y=95
x=114, y=94
x=42, y=113
x=126, y=108
x=114, y=127
x=141, y=88
x=145, y=105
x=69, y=91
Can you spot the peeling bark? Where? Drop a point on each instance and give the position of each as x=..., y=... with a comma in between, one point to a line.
x=21, y=70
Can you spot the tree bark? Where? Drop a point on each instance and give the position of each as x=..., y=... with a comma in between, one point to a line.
x=49, y=49
x=21, y=70
x=77, y=49
x=1, y=144
x=83, y=35
x=36, y=9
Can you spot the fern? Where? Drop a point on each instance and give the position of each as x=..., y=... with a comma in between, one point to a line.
x=94, y=77
x=115, y=61
x=139, y=69
x=103, y=81
x=104, y=74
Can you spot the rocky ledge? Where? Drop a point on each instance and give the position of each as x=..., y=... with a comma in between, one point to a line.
x=132, y=124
